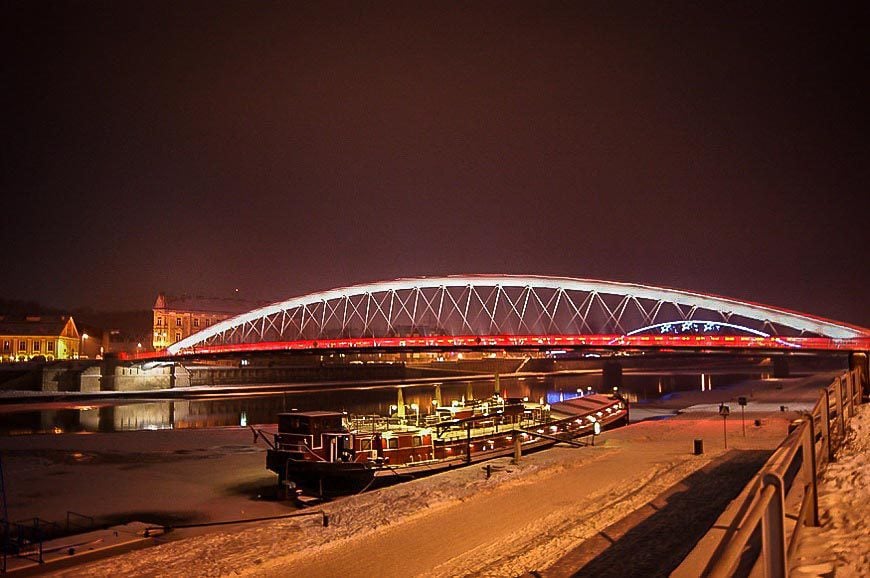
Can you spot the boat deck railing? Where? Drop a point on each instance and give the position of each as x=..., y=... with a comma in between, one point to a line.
x=379, y=423
x=484, y=428
x=479, y=425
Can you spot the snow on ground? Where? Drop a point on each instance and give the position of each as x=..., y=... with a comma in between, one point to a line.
x=841, y=545
x=521, y=519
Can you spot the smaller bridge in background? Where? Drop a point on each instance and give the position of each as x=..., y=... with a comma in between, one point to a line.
x=517, y=312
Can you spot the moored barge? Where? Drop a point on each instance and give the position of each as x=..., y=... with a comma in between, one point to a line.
x=324, y=453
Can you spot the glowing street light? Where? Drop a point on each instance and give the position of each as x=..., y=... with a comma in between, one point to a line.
x=82, y=344
x=416, y=409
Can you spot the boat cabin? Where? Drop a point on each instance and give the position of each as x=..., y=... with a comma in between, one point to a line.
x=394, y=447
x=314, y=435
x=311, y=422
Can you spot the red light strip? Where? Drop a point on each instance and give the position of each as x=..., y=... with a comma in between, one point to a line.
x=530, y=341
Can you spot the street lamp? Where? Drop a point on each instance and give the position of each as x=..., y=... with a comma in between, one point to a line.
x=416, y=409
x=82, y=344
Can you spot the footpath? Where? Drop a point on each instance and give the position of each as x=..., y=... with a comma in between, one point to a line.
x=524, y=528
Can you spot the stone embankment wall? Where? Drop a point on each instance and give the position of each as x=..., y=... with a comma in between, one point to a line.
x=487, y=365
x=222, y=375
x=136, y=377
x=114, y=375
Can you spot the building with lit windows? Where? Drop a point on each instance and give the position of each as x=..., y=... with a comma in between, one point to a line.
x=178, y=317
x=49, y=337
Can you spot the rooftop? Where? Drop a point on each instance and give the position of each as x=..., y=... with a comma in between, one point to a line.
x=34, y=325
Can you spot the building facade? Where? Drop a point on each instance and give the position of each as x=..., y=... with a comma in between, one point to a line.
x=178, y=317
x=45, y=337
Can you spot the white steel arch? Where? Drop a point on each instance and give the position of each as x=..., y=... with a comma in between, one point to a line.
x=498, y=305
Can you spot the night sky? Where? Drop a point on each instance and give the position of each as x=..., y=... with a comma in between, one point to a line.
x=283, y=147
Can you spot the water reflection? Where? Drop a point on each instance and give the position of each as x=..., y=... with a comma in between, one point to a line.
x=245, y=409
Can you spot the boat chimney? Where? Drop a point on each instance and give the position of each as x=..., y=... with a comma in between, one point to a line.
x=400, y=404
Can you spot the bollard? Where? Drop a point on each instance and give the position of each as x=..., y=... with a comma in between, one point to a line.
x=699, y=447
x=518, y=451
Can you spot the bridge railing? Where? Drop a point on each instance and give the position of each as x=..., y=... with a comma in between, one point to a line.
x=759, y=531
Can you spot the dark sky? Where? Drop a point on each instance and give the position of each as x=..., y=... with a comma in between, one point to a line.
x=284, y=147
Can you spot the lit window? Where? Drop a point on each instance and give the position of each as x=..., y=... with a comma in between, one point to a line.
x=7, y=345
x=418, y=441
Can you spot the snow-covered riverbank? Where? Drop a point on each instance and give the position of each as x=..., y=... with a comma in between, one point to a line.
x=524, y=518
x=841, y=545
x=521, y=519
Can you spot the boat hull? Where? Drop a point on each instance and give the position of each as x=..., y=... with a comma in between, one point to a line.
x=324, y=479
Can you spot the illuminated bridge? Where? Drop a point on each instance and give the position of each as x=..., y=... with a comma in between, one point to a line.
x=505, y=311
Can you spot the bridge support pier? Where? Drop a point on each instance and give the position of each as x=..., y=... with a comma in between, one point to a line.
x=108, y=370
x=780, y=366
x=179, y=376
x=611, y=376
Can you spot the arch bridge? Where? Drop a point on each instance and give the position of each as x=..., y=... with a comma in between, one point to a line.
x=509, y=311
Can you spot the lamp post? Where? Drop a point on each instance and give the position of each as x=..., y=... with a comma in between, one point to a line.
x=416, y=409
x=82, y=344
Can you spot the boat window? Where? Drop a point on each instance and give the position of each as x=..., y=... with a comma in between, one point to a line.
x=293, y=424
x=393, y=443
x=332, y=423
x=365, y=444
x=418, y=441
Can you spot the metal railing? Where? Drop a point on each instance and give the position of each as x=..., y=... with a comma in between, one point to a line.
x=25, y=538
x=782, y=498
